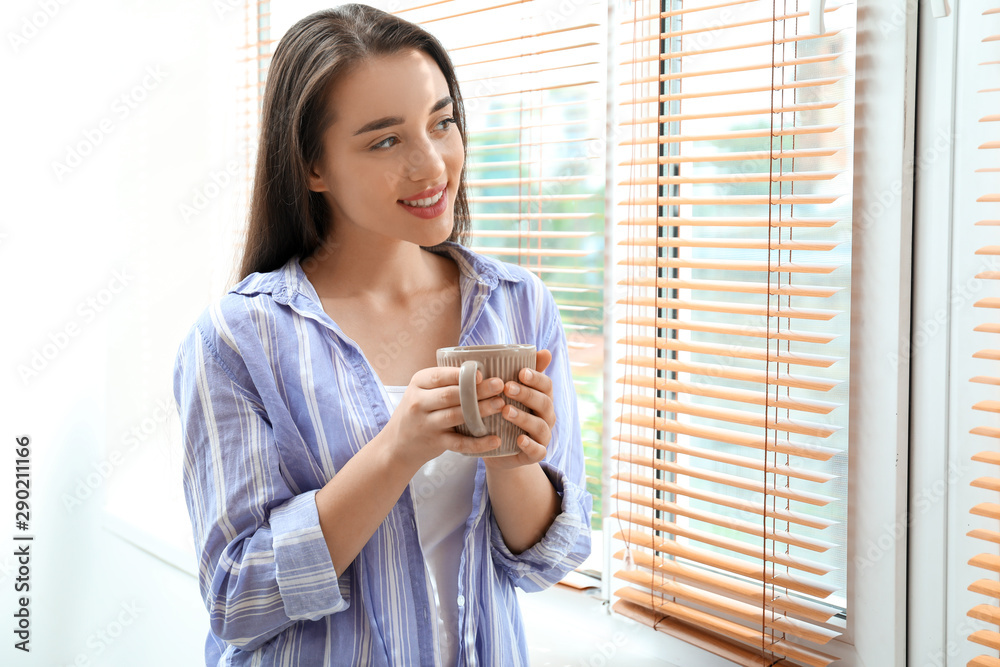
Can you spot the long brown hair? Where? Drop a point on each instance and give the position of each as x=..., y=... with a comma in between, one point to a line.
x=286, y=218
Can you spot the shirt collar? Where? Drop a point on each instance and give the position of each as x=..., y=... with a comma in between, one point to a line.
x=290, y=279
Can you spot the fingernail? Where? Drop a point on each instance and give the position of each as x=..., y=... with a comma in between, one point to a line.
x=527, y=374
x=496, y=384
x=513, y=389
x=498, y=403
x=512, y=413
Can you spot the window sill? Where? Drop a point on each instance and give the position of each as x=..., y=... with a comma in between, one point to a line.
x=586, y=635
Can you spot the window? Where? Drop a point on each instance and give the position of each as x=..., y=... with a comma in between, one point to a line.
x=734, y=323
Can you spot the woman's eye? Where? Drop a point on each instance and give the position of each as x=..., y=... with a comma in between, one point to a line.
x=445, y=123
x=384, y=143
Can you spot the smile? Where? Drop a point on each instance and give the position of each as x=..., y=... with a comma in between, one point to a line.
x=427, y=208
x=423, y=203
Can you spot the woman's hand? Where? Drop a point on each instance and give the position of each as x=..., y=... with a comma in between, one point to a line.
x=535, y=392
x=421, y=427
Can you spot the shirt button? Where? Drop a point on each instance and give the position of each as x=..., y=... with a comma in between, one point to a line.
x=461, y=600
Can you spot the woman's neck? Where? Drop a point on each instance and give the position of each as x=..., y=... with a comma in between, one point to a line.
x=390, y=274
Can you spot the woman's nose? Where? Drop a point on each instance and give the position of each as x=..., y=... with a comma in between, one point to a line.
x=424, y=161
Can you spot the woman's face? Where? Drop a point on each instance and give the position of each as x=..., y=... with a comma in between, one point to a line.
x=392, y=156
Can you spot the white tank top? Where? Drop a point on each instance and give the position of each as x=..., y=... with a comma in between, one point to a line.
x=442, y=500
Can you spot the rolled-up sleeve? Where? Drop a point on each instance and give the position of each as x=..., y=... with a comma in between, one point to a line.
x=263, y=561
x=566, y=544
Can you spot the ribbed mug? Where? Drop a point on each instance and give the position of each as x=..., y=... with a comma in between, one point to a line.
x=502, y=361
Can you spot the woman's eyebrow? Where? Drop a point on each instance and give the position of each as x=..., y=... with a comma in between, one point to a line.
x=389, y=121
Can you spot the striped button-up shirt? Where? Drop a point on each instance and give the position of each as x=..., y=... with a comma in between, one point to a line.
x=274, y=399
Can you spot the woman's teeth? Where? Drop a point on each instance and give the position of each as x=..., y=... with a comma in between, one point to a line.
x=423, y=203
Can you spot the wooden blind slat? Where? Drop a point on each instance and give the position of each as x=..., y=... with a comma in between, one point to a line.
x=732, y=135
x=988, y=587
x=729, y=265
x=736, y=69
x=730, y=372
x=785, y=177
x=718, y=92
x=730, y=222
x=733, y=351
x=730, y=244
x=821, y=314
x=734, y=329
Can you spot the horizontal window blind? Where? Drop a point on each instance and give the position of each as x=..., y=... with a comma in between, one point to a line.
x=532, y=75
x=733, y=210
x=987, y=564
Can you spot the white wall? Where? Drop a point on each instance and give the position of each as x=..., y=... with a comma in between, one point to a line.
x=107, y=227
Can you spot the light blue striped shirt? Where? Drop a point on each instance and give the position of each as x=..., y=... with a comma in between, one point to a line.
x=273, y=400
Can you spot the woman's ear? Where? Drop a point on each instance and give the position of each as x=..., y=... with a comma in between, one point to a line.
x=316, y=181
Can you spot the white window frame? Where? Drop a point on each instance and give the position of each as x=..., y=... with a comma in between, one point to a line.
x=943, y=317
x=875, y=631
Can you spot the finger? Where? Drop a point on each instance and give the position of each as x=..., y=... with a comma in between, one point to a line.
x=451, y=417
x=447, y=376
x=467, y=445
x=536, y=401
x=531, y=449
x=542, y=360
x=439, y=376
x=489, y=387
x=536, y=427
x=539, y=381
x=448, y=396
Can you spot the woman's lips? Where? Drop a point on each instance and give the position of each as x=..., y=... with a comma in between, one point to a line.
x=426, y=194
x=428, y=212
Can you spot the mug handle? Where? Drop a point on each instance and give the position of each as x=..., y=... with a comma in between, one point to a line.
x=467, y=393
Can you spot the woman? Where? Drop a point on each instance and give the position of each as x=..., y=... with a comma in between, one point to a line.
x=336, y=518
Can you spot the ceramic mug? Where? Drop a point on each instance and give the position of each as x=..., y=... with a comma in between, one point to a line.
x=502, y=361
